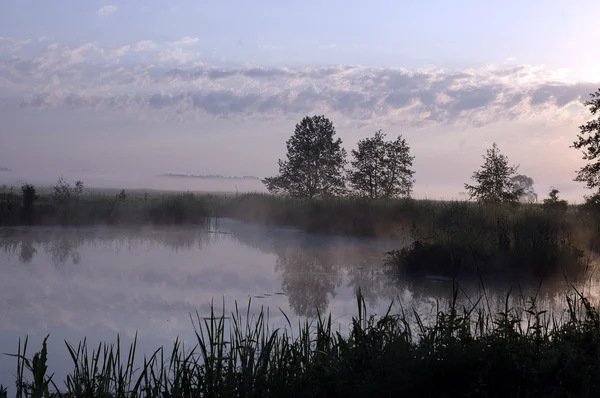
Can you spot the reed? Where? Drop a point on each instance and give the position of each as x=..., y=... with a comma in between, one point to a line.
x=518, y=350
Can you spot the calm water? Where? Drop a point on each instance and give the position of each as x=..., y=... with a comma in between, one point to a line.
x=97, y=282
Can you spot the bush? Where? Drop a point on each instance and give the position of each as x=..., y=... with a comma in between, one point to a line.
x=493, y=240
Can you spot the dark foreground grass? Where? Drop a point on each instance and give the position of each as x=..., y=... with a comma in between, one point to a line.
x=463, y=352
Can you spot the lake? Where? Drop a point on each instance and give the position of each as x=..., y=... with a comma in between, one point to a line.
x=95, y=282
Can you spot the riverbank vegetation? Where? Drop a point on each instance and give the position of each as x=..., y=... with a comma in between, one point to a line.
x=458, y=237
x=75, y=206
x=515, y=351
x=68, y=205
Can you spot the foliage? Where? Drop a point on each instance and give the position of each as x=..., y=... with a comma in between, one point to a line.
x=29, y=197
x=494, y=180
x=69, y=205
x=352, y=216
x=469, y=350
x=592, y=203
x=524, y=184
x=63, y=193
x=315, y=162
x=382, y=169
x=494, y=240
x=67, y=199
x=554, y=203
x=589, y=140
x=122, y=195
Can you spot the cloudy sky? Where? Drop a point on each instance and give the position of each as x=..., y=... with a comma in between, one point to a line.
x=141, y=87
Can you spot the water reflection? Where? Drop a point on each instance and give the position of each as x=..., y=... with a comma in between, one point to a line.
x=64, y=244
x=313, y=268
x=97, y=282
x=182, y=269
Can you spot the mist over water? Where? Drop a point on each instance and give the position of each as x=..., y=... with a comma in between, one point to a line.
x=129, y=180
x=97, y=282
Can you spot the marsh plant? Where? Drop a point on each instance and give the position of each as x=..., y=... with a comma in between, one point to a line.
x=433, y=236
x=71, y=205
x=514, y=351
x=473, y=239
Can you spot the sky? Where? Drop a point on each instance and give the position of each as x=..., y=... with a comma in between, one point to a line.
x=117, y=92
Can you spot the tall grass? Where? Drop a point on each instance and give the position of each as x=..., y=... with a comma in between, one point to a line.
x=93, y=209
x=463, y=351
x=344, y=215
x=434, y=237
x=523, y=240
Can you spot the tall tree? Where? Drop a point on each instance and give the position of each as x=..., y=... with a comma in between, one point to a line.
x=525, y=185
x=589, y=140
x=494, y=179
x=315, y=162
x=382, y=169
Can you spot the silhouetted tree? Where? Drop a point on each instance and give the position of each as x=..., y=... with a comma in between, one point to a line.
x=553, y=202
x=67, y=199
x=122, y=195
x=589, y=140
x=525, y=184
x=315, y=162
x=29, y=197
x=62, y=191
x=494, y=180
x=382, y=169
x=78, y=190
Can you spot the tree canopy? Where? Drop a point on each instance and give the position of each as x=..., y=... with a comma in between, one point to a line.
x=382, y=169
x=589, y=140
x=525, y=185
x=315, y=162
x=494, y=180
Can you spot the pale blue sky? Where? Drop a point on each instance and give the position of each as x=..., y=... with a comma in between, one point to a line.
x=112, y=85
x=379, y=32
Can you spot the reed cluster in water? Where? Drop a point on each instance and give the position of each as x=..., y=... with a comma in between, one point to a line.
x=463, y=351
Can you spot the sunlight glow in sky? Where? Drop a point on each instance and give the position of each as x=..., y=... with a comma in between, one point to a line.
x=144, y=87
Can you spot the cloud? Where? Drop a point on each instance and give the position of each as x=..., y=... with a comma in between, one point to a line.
x=107, y=10
x=177, y=55
x=10, y=44
x=174, y=82
x=144, y=45
x=184, y=41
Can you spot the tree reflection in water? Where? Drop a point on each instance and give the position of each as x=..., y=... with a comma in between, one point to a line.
x=64, y=244
x=310, y=277
x=311, y=268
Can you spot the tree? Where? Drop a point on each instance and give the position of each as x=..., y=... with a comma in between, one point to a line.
x=122, y=195
x=554, y=203
x=382, y=169
x=29, y=197
x=525, y=184
x=589, y=140
x=315, y=162
x=494, y=179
